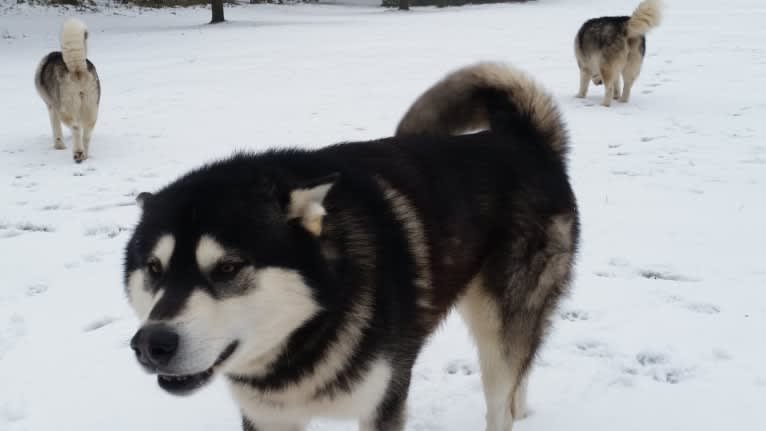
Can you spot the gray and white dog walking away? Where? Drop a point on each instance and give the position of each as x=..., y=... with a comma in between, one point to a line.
x=68, y=84
x=611, y=46
x=311, y=279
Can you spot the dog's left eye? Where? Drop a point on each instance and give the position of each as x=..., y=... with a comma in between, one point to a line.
x=226, y=270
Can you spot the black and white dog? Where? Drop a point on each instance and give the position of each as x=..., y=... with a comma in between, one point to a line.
x=311, y=279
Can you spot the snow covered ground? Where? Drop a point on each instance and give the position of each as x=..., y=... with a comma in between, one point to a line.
x=663, y=330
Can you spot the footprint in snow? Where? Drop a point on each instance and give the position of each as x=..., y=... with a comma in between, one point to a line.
x=593, y=348
x=575, y=315
x=93, y=257
x=12, y=230
x=666, y=275
x=36, y=289
x=697, y=307
x=461, y=366
x=109, y=231
x=658, y=366
x=12, y=411
x=10, y=332
x=100, y=323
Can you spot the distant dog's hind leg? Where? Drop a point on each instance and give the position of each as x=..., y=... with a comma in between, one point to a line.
x=78, y=150
x=58, y=136
x=87, y=131
x=629, y=75
x=584, y=82
x=608, y=78
x=617, y=86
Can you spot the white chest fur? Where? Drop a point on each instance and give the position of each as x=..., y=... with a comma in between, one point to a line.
x=297, y=403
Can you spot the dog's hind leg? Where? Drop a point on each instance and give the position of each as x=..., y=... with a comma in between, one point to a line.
x=584, y=82
x=508, y=309
x=629, y=75
x=390, y=414
x=500, y=367
x=78, y=150
x=58, y=136
x=87, y=132
x=617, y=86
x=608, y=77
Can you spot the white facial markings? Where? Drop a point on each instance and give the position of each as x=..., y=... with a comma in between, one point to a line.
x=279, y=303
x=141, y=298
x=259, y=320
x=163, y=250
x=208, y=253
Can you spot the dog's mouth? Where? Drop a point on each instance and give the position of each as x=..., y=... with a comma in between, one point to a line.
x=184, y=384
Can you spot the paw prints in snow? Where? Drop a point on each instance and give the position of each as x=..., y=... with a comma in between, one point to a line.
x=659, y=367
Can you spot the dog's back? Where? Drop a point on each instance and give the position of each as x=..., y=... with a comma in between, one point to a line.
x=605, y=37
x=53, y=81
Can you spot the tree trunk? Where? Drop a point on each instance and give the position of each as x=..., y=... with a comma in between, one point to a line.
x=404, y=4
x=217, y=7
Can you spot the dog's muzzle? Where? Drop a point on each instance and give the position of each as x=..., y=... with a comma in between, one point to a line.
x=155, y=347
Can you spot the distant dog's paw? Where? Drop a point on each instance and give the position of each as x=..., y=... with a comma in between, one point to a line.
x=580, y=95
x=79, y=156
x=58, y=144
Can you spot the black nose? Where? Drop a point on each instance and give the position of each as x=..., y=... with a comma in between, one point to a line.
x=155, y=345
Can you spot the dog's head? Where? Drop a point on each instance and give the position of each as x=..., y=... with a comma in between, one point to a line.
x=220, y=270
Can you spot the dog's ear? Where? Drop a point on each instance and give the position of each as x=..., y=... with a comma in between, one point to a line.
x=306, y=203
x=143, y=198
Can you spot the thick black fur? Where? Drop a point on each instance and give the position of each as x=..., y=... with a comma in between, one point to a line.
x=479, y=189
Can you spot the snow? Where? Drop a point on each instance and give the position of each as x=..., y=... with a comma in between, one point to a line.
x=663, y=329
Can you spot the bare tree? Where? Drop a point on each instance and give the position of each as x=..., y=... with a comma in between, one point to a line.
x=217, y=8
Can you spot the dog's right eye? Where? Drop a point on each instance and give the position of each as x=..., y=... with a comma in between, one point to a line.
x=155, y=266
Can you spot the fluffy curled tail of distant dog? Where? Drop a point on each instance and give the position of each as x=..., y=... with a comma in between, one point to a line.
x=647, y=15
x=484, y=96
x=74, y=37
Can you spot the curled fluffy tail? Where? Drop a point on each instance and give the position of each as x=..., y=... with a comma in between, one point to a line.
x=487, y=95
x=74, y=36
x=647, y=15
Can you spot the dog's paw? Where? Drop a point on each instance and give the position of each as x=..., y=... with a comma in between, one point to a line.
x=623, y=100
x=580, y=95
x=79, y=156
x=58, y=144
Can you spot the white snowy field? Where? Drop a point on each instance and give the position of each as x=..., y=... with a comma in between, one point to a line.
x=664, y=327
